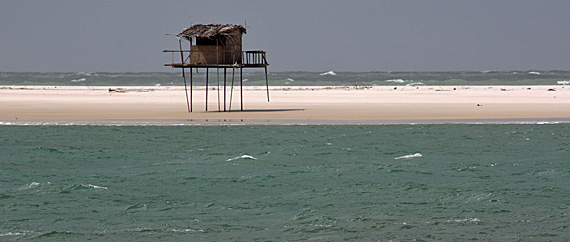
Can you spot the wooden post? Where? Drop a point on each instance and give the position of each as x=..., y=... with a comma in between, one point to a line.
x=183, y=74
x=266, y=83
x=218, y=70
x=224, y=89
x=232, y=88
x=206, y=89
x=191, y=89
x=186, y=89
x=241, y=87
x=218, y=74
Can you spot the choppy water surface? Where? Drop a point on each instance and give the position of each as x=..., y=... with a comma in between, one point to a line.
x=330, y=78
x=358, y=183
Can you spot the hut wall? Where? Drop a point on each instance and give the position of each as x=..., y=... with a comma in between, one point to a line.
x=205, y=54
x=229, y=53
x=234, y=51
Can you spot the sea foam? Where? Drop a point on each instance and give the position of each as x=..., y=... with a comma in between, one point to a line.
x=93, y=186
x=14, y=233
x=242, y=157
x=464, y=220
x=30, y=186
x=415, y=84
x=79, y=80
x=328, y=73
x=396, y=80
x=409, y=156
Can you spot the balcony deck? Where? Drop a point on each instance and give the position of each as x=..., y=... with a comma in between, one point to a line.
x=249, y=59
x=188, y=65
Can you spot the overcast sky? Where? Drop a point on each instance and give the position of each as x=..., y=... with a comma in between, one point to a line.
x=338, y=35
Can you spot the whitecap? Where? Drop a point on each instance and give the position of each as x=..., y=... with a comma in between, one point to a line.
x=545, y=173
x=289, y=79
x=14, y=233
x=397, y=80
x=415, y=84
x=79, y=80
x=94, y=186
x=409, y=156
x=464, y=220
x=185, y=230
x=328, y=73
x=30, y=186
x=534, y=73
x=563, y=82
x=244, y=80
x=547, y=122
x=242, y=157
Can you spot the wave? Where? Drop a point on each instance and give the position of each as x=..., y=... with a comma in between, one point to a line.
x=80, y=187
x=415, y=84
x=565, y=82
x=464, y=220
x=79, y=80
x=409, y=156
x=30, y=186
x=328, y=73
x=94, y=186
x=398, y=80
x=242, y=157
x=15, y=233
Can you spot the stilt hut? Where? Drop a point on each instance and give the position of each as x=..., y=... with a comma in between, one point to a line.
x=216, y=46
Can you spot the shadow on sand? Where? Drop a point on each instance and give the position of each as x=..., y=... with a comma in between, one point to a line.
x=266, y=110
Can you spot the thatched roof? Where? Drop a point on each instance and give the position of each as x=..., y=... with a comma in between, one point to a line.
x=210, y=30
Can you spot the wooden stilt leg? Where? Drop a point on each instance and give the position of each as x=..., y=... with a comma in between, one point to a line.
x=266, y=83
x=191, y=90
x=232, y=88
x=224, y=89
x=184, y=74
x=218, y=74
x=241, y=88
x=186, y=89
x=207, y=89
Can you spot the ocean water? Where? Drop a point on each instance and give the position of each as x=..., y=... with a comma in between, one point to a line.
x=490, y=182
x=329, y=78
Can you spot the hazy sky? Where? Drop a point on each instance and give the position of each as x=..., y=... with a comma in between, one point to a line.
x=338, y=35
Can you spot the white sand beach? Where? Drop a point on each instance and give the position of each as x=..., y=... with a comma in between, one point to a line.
x=287, y=104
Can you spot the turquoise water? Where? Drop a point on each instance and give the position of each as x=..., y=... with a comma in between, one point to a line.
x=325, y=183
x=292, y=78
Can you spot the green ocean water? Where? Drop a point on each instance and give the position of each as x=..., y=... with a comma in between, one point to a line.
x=291, y=78
x=490, y=182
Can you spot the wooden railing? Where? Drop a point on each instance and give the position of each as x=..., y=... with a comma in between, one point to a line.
x=251, y=58
x=254, y=57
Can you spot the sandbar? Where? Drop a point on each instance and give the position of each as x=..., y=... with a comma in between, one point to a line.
x=287, y=105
